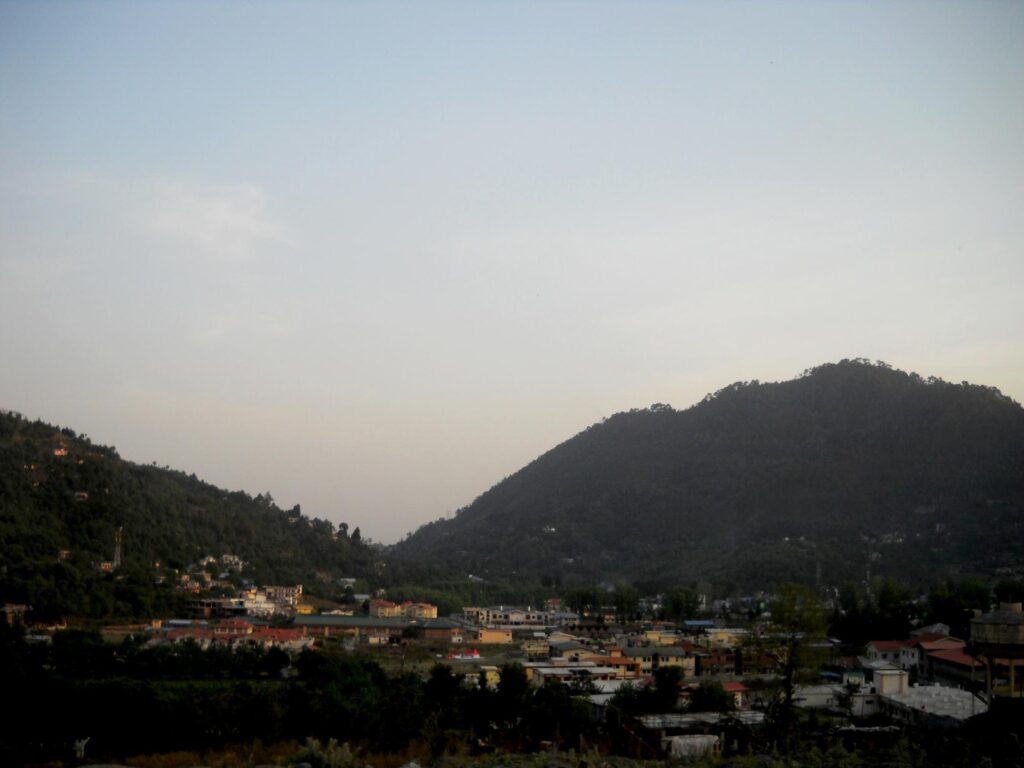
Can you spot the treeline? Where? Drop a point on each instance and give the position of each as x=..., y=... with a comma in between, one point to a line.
x=130, y=699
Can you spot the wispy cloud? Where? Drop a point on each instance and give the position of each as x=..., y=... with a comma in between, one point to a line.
x=223, y=221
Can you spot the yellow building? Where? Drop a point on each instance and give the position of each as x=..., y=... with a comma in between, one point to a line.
x=487, y=636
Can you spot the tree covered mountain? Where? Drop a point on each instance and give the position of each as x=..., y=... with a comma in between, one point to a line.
x=62, y=499
x=849, y=468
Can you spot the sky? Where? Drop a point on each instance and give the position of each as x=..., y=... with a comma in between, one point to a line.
x=374, y=257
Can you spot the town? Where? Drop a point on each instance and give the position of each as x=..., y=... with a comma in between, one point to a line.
x=654, y=687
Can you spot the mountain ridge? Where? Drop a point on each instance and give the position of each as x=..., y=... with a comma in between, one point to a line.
x=62, y=499
x=659, y=494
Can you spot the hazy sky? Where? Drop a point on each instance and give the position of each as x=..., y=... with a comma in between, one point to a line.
x=374, y=257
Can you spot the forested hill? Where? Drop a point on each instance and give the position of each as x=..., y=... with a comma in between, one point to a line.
x=62, y=498
x=849, y=466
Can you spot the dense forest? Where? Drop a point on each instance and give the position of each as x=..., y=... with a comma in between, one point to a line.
x=63, y=499
x=853, y=468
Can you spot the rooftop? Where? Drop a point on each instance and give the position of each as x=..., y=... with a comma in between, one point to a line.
x=940, y=701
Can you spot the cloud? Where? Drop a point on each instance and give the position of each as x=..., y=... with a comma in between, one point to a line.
x=228, y=222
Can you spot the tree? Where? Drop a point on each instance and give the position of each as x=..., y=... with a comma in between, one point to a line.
x=626, y=599
x=680, y=603
x=666, y=687
x=797, y=618
x=583, y=600
x=710, y=696
x=954, y=603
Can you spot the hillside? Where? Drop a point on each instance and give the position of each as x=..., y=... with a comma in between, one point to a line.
x=811, y=480
x=62, y=498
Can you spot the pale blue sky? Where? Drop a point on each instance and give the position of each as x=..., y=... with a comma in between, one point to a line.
x=373, y=257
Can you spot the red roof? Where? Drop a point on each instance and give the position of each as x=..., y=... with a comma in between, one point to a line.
x=954, y=656
x=945, y=644
x=930, y=637
x=734, y=687
x=888, y=645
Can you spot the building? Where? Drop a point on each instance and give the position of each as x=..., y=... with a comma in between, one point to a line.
x=931, y=706
x=364, y=629
x=384, y=609
x=441, y=629
x=284, y=595
x=419, y=610
x=493, y=636
x=524, y=618
x=738, y=691
x=997, y=641
x=884, y=650
x=626, y=668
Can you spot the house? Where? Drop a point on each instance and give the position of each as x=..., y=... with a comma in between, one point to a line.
x=201, y=636
x=273, y=637
x=419, y=610
x=441, y=629
x=884, y=650
x=369, y=629
x=625, y=668
x=916, y=648
x=717, y=661
x=384, y=609
x=953, y=667
x=722, y=637
x=518, y=617
x=931, y=706
x=283, y=594
x=231, y=628
x=536, y=648
x=738, y=691
x=557, y=670
x=493, y=636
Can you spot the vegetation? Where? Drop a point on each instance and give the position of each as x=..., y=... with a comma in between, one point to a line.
x=63, y=498
x=852, y=468
x=181, y=705
x=135, y=699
